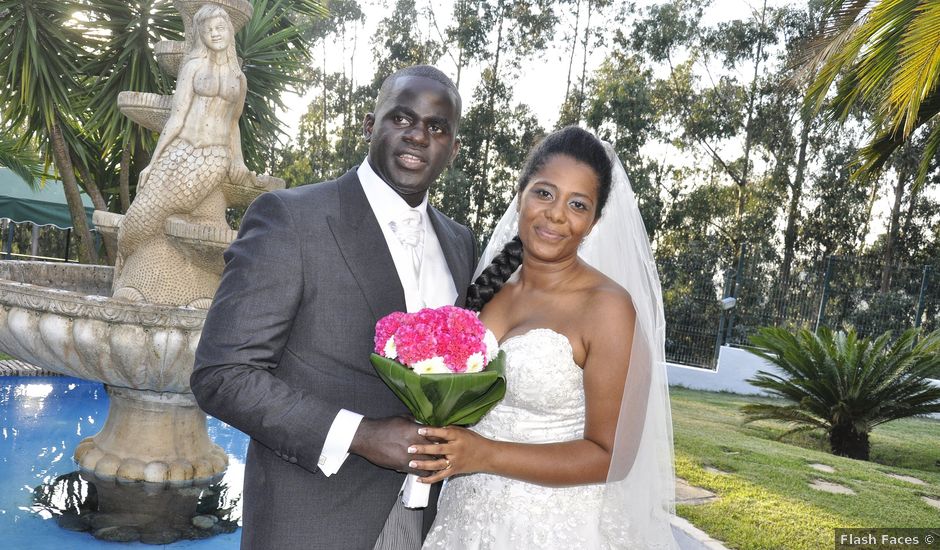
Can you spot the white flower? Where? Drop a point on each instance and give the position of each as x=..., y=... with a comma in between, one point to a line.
x=492, y=346
x=475, y=362
x=390, y=350
x=434, y=365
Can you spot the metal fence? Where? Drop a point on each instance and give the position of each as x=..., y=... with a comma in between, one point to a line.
x=27, y=241
x=713, y=297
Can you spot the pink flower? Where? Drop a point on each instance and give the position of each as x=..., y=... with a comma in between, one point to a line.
x=386, y=327
x=415, y=342
x=448, y=336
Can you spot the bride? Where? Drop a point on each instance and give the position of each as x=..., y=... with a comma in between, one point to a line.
x=579, y=452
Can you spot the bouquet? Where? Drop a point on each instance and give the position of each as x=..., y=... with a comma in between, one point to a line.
x=444, y=365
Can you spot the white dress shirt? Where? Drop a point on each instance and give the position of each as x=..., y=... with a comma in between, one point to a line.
x=434, y=287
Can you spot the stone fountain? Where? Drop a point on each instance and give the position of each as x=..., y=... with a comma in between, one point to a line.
x=135, y=327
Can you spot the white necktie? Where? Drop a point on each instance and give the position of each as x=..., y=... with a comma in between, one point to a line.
x=410, y=232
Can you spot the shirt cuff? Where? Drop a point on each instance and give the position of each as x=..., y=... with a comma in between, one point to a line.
x=338, y=439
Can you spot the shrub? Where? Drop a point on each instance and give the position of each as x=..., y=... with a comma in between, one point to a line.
x=844, y=384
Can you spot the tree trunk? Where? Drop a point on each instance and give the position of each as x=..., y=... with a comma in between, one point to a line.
x=484, y=189
x=745, y=170
x=793, y=211
x=124, y=178
x=846, y=441
x=574, y=48
x=458, y=13
x=905, y=228
x=60, y=154
x=869, y=210
x=584, y=46
x=893, y=228
x=110, y=242
x=90, y=186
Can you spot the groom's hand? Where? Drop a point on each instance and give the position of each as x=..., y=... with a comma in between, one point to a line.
x=385, y=441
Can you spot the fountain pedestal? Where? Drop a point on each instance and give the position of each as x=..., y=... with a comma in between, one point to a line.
x=152, y=436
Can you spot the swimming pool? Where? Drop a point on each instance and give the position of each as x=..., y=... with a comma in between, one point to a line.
x=42, y=420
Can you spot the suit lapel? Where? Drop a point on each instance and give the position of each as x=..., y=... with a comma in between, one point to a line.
x=363, y=246
x=454, y=253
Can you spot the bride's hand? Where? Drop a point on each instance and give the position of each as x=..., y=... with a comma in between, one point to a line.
x=460, y=451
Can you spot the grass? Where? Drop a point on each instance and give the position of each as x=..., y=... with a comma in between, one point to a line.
x=764, y=498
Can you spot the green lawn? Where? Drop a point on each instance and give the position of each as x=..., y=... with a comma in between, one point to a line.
x=765, y=501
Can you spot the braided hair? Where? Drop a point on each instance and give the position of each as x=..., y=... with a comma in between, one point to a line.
x=572, y=141
x=495, y=275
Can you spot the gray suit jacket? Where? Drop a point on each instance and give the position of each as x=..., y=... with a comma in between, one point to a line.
x=286, y=345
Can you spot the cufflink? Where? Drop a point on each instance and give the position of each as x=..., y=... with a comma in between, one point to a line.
x=322, y=461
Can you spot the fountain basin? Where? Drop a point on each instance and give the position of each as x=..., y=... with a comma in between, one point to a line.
x=144, y=353
x=149, y=110
x=169, y=54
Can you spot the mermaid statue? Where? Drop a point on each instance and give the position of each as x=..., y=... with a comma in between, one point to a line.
x=170, y=240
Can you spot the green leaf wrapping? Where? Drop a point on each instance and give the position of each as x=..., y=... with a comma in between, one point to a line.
x=445, y=399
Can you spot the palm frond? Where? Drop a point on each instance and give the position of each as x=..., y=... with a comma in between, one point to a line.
x=884, y=54
x=791, y=413
x=21, y=158
x=275, y=52
x=919, y=67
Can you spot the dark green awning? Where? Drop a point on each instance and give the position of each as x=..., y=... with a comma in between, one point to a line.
x=44, y=206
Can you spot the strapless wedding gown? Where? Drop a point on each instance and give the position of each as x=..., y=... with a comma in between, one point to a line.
x=544, y=403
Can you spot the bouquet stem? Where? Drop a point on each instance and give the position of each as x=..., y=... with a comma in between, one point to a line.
x=415, y=494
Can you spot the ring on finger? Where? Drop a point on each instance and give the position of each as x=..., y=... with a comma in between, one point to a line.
x=447, y=461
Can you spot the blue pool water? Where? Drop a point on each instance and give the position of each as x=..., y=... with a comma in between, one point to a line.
x=42, y=420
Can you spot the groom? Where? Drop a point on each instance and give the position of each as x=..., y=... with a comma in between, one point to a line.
x=284, y=354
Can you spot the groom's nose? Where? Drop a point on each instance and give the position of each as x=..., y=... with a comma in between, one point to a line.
x=417, y=134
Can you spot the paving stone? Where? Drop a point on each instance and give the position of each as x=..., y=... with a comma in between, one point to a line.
x=15, y=367
x=690, y=494
x=829, y=487
x=908, y=479
x=935, y=502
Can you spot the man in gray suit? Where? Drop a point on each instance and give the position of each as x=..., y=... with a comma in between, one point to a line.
x=284, y=355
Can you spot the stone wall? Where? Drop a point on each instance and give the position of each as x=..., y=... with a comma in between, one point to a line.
x=81, y=278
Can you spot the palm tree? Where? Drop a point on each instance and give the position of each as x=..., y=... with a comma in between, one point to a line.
x=40, y=53
x=843, y=384
x=21, y=160
x=885, y=54
x=276, y=54
x=124, y=60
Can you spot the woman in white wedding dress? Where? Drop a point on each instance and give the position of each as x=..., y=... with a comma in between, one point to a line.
x=579, y=452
